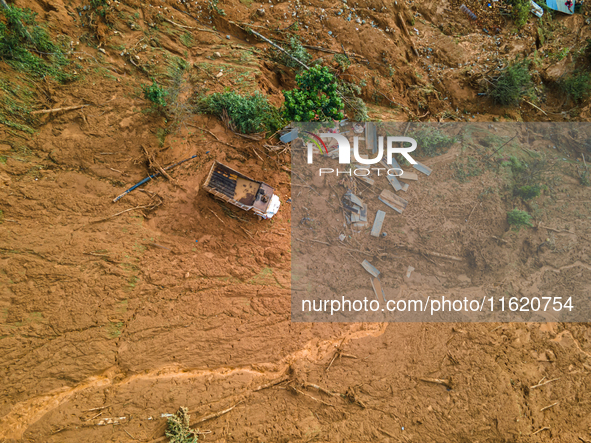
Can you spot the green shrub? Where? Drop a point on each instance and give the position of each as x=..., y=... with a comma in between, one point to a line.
x=178, y=430
x=517, y=219
x=513, y=84
x=520, y=12
x=528, y=192
x=246, y=114
x=315, y=98
x=296, y=50
x=156, y=94
x=432, y=142
x=577, y=86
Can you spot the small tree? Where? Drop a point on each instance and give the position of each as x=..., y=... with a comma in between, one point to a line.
x=315, y=98
x=518, y=218
x=513, y=84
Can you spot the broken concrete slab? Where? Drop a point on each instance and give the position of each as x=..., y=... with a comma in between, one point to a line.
x=370, y=268
x=290, y=136
x=376, y=284
x=371, y=134
x=353, y=198
x=422, y=168
x=394, y=182
x=377, y=223
x=369, y=181
x=393, y=201
x=408, y=176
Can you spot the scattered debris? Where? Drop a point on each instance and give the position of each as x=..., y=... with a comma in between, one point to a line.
x=111, y=421
x=151, y=177
x=356, y=210
x=409, y=271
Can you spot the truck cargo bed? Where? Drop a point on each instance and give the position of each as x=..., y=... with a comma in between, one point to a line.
x=240, y=190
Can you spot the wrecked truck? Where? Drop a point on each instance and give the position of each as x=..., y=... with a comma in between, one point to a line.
x=239, y=190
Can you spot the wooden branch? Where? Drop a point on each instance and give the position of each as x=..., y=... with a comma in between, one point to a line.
x=49, y=111
x=216, y=415
x=176, y=24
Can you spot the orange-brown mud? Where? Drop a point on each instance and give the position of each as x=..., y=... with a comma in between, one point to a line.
x=182, y=301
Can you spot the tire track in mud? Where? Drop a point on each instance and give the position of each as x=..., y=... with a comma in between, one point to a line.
x=26, y=413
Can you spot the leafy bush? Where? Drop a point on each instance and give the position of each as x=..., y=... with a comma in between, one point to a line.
x=577, y=86
x=178, y=430
x=432, y=142
x=26, y=46
x=528, y=192
x=315, y=98
x=517, y=218
x=513, y=84
x=296, y=50
x=246, y=114
x=520, y=12
x=156, y=94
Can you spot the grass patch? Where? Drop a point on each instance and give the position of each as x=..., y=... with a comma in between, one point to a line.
x=242, y=113
x=187, y=40
x=26, y=47
x=463, y=171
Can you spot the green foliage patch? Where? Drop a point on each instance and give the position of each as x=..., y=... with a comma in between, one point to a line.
x=315, y=98
x=518, y=218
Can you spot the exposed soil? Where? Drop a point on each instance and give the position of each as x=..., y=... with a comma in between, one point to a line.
x=110, y=319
